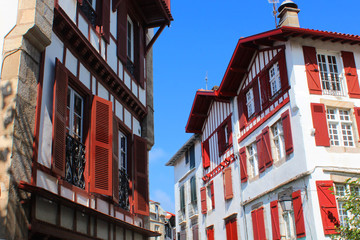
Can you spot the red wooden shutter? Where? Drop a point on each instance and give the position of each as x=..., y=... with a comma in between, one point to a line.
x=122, y=31
x=115, y=160
x=231, y=229
x=210, y=233
x=195, y=232
x=320, y=124
x=283, y=70
x=59, y=119
x=265, y=88
x=275, y=223
x=203, y=200
x=267, y=147
x=256, y=96
x=206, y=154
x=255, y=224
x=212, y=194
x=351, y=74
x=241, y=109
x=101, y=147
x=221, y=139
x=228, y=230
x=328, y=209
x=228, y=183
x=229, y=131
x=312, y=70
x=141, y=185
x=298, y=214
x=260, y=151
x=105, y=19
x=261, y=223
x=243, y=165
x=357, y=117
x=285, y=117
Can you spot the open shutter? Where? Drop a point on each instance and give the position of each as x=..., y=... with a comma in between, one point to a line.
x=104, y=18
x=101, y=169
x=265, y=88
x=243, y=165
x=298, y=214
x=255, y=224
x=256, y=96
x=59, y=119
x=261, y=223
x=260, y=151
x=312, y=70
x=351, y=74
x=141, y=185
x=320, y=124
x=285, y=117
x=121, y=31
x=327, y=201
x=357, y=117
x=212, y=194
x=210, y=233
x=267, y=147
x=221, y=139
x=275, y=223
x=283, y=70
x=203, y=200
x=205, y=154
x=241, y=109
x=115, y=160
x=228, y=183
x=229, y=131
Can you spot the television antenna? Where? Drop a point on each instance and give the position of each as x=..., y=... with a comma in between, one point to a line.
x=206, y=81
x=274, y=9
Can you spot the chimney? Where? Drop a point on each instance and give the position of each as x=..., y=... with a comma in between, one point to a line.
x=288, y=14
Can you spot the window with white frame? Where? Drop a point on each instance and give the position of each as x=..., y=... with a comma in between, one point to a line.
x=122, y=151
x=130, y=39
x=287, y=228
x=329, y=73
x=340, y=127
x=74, y=119
x=278, y=140
x=274, y=74
x=253, y=160
x=250, y=102
x=343, y=190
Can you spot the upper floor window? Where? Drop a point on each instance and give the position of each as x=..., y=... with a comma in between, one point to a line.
x=182, y=198
x=193, y=189
x=250, y=103
x=278, y=140
x=253, y=160
x=340, y=127
x=329, y=73
x=343, y=190
x=190, y=157
x=130, y=39
x=74, y=119
x=88, y=7
x=122, y=151
x=275, y=83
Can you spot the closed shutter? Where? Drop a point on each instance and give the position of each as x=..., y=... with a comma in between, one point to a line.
x=351, y=74
x=312, y=70
x=104, y=18
x=59, y=119
x=101, y=147
x=320, y=124
x=261, y=223
x=285, y=117
x=141, y=185
x=255, y=224
x=243, y=165
x=260, y=149
x=182, y=198
x=192, y=157
x=195, y=232
x=231, y=229
x=267, y=147
x=203, y=200
x=210, y=233
x=206, y=154
x=115, y=160
x=328, y=209
x=212, y=194
x=122, y=31
x=228, y=230
x=193, y=189
x=221, y=139
x=242, y=109
x=256, y=96
x=228, y=183
x=265, y=88
x=357, y=117
x=298, y=214
x=275, y=223
x=283, y=71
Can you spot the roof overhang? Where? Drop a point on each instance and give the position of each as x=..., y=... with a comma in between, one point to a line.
x=182, y=150
x=155, y=12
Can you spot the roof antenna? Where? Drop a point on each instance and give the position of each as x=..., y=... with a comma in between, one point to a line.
x=206, y=81
x=274, y=9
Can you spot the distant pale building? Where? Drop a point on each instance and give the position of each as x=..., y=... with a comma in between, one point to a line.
x=161, y=221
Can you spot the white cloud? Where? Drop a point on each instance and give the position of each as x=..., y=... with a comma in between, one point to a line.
x=156, y=154
x=166, y=202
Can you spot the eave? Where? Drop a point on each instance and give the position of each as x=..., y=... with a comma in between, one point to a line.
x=155, y=12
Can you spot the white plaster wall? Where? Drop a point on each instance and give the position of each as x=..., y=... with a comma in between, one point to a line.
x=83, y=26
x=127, y=118
x=102, y=92
x=142, y=95
x=71, y=62
x=113, y=22
x=112, y=58
x=119, y=110
x=136, y=127
x=69, y=6
x=84, y=76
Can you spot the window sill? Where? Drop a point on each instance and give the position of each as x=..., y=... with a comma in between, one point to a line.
x=342, y=149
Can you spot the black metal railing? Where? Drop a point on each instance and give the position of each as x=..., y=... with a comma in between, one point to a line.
x=130, y=67
x=75, y=162
x=123, y=190
x=88, y=11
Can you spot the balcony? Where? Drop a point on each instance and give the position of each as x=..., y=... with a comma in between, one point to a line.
x=181, y=216
x=192, y=210
x=75, y=162
x=123, y=190
x=332, y=85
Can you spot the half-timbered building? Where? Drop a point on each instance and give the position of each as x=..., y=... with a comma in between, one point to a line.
x=78, y=119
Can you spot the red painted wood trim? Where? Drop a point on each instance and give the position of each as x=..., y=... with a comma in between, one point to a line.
x=357, y=117
x=275, y=223
x=218, y=169
x=318, y=113
x=298, y=214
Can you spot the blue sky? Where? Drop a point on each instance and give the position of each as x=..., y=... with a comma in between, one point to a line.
x=201, y=39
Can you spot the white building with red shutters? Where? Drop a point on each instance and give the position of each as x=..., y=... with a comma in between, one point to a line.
x=279, y=134
x=77, y=118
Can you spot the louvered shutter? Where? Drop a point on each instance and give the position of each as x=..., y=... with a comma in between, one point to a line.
x=243, y=165
x=328, y=209
x=312, y=70
x=298, y=214
x=256, y=96
x=242, y=110
x=203, y=200
x=210, y=233
x=266, y=147
x=265, y=88
x=261, y=223
x=205, y=154
x=229, y=131
x=101, y=169
x=285, y=117
x=195, y=232
x=104, y=19
x=255, y=224
x=212, y=194
x=59, y=119
x=228, y=183
x=260, y=152
x=283, y=71
x=275, y=223
x=320, y=124
x=351, y=74
x=115, y=160
x=141, y=185
x=357, y=117
x=234, y=235
x=122, y=31
x=228, y=230
x=221, y=140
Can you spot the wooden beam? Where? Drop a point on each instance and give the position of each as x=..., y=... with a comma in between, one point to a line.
x=238, y=70
x=152, y=41
x=277, y=38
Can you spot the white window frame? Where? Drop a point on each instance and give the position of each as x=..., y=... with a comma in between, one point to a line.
x=337, y=120
x=250, y=102
x=278, y=140
x=274, y=78
x=122, y=150
x=345, y=189
x=253, y=167
x=71, y=110
x=287, y=226
x=130, y=39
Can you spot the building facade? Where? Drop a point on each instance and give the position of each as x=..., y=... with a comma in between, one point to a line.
x=280, y=135
x=77, y=119
x=161, y=221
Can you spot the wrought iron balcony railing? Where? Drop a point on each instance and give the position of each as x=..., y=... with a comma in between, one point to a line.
x=181, y=215
x=333, y=85
x=192, y=209
x=88, y=11
x=123, y=190
x=75, y=162
x=130, y=67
